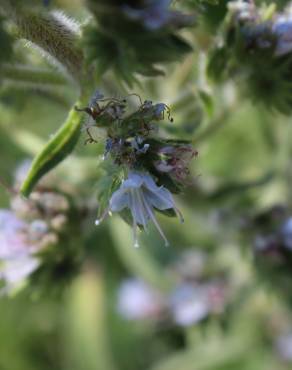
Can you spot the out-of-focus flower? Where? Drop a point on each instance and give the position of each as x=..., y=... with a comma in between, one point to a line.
x=17, y=250
x=140, y=194
x=190, y=265
x=189, y=304
x=242, y=10
x=137, y=300
x=193, y=298
x=284, y=347
x=268, y=245
x=175, y=160
x=19, y=238
x=282, y=28
x=29, y=229
x=271, y=232
x=186, y=305
x=155, y=14
x=15, y=272
x=276, y=241
x=286, y=233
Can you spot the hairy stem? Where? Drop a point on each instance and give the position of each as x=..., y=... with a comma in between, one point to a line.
x=47, y=32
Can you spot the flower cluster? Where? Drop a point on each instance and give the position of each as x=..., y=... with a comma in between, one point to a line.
x=194, y=298
x=257, y=49
x=148, y=169
x=29, y=231
x=115, y=42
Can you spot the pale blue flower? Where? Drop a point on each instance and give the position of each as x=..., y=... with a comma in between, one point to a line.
x=286, y=233
x=189, y=304
x=140, y=194
x=17, y=259
x=154, y=14
x=282, y=28
x=138, y=300
x=284, y=346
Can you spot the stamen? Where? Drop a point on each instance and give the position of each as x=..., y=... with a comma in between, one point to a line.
x=135, y=237
x=103, y=216
x=140, y=200
x=153, y=218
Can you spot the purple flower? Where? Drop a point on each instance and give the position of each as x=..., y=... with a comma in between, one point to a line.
x=16, y=271
x=16, y=251
x=12, y=236
x=175, y=160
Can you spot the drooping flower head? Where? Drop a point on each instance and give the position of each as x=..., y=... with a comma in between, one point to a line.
x=143, y=169
x=140, y=194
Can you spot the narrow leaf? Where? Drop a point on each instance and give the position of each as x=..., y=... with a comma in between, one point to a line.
x=57, y=149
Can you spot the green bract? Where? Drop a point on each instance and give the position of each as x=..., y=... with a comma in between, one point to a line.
x=57, y=149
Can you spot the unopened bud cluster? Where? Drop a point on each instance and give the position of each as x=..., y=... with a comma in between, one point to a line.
x=257, y=48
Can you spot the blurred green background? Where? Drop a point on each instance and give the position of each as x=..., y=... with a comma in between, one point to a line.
x=243, y=168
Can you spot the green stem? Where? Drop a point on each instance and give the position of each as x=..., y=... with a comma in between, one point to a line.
x=48, y=33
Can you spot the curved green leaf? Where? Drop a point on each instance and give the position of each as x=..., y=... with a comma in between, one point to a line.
x=57, y=149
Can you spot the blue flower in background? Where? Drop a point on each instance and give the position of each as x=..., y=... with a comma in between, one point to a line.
x=282, y=28
x=154, y=14
x=17, y=259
